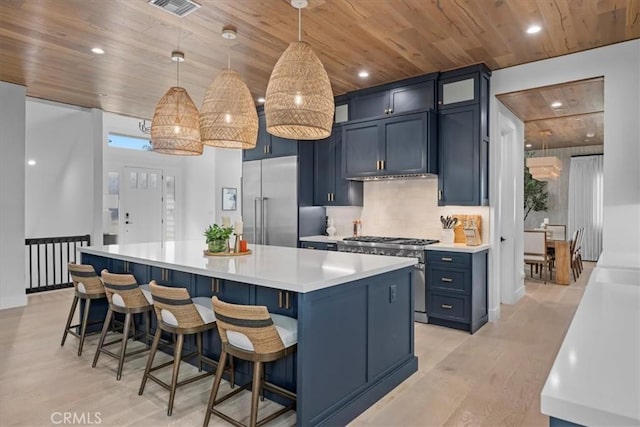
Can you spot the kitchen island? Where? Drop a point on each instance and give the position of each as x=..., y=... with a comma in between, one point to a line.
x=354, y=311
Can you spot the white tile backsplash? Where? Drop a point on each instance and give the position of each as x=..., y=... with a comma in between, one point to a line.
x=403, y=208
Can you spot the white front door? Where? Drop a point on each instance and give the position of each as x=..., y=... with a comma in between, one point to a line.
x=142, y=205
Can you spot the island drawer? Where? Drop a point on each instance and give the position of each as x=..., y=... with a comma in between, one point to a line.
x=324, y=246
x=457, y=259
x=448, y=280
x=450, y=307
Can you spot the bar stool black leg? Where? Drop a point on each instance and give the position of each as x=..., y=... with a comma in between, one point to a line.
x=74, y=304
x=216, y=385
x=83, y=327
x=176, y=368
x=152, y=354
x=123, y=349
x=103, y=335
x=255, y=393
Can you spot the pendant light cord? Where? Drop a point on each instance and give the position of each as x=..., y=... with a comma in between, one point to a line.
x=300, y=24
x=178, y=73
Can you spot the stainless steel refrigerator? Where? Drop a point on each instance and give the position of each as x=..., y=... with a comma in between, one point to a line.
x=270, y=201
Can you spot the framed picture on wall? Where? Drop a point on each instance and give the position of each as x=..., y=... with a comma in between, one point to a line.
x=229, y=199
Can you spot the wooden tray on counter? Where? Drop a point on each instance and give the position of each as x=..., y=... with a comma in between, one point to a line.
x=207, y=253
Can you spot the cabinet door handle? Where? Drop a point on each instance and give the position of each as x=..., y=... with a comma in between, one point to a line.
x=287, y=300
x=390, y=110
x=264, y=150
x=279, y=299
x=447, y=306
x=439, y=194
x=382, y=164
x=447, y=259
x=215, y=285
x=446, y=280
x=310, y=247
x=333, y=197
x=377, y=165
x=328, y=197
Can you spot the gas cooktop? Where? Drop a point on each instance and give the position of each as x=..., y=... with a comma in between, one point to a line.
x=391, y=240
x=373, y=244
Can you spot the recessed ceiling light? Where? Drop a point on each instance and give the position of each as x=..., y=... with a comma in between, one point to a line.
x=261, y=99
x=528, y=145
x=31, y=162
x=534, y=29
x=97, y=50
x=591, y=134
x=102, y=94
x=363, y=74
x=556, y=104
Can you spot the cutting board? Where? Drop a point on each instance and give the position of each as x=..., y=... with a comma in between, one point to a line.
x=459, y=229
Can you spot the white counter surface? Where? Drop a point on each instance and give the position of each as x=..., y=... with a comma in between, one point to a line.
x=322, y=239
x=291, y=269
x=458, y=247
x=595, y=379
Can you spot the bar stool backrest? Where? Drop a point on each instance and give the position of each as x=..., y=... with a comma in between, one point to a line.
x=174, y=306
x=253, y=321
x=85, y=279
x=126, y=287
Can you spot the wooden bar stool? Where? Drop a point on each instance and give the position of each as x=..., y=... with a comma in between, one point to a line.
x=251, y=333
x=88, y=286
x=179, y=314
x=127, y=297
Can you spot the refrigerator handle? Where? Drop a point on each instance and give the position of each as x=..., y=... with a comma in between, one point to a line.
x=255, y=220
x=263, y=218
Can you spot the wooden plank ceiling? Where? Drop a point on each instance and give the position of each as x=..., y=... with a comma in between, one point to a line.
x=46, y=44
x=577, y=118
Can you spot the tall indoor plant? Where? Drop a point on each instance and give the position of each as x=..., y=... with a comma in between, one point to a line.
x=536, y=196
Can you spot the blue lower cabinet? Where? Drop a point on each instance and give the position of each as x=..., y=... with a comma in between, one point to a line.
x=277, y=301
x=457, y=289
x=139, y=271
x=323, y=246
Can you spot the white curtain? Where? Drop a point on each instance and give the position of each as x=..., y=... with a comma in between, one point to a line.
x=586, y=203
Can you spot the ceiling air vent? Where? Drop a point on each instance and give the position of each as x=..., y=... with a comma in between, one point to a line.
x=176, y=7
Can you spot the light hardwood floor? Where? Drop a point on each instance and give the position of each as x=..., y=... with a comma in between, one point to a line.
x=491, y=378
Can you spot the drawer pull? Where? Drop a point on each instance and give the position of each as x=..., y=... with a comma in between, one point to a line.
x=447, y=306
x=287, y=302
x=446, y=280
x=215, y=285
x=447, y=259
x=280, y=299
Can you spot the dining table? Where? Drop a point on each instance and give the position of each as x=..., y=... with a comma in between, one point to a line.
x=562, y=253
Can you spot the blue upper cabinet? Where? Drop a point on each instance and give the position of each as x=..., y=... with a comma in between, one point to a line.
x=463, y=129
x=330, y=188
x=399, y=145
x=268, y=145
x=395, y=98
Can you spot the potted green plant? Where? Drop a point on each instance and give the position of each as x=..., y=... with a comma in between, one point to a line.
x=218, y=238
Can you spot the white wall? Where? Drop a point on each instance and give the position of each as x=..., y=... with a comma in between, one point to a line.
x=59, y=188
x=229, y=175
x=620, y=66
x=12, y=199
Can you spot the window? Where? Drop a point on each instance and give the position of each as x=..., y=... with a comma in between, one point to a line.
x=129, y=142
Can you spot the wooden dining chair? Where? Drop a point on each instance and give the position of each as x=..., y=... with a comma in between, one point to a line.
x=574, y=254
x=535, y=253
x=557, y=231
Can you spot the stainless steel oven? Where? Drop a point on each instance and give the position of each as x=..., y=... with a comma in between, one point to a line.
x=397, y=246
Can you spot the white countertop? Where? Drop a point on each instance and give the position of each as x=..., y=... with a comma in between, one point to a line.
x=458, y=247
x=452, y=247
x=291, y=269
x=322, y=239
x=595, y=379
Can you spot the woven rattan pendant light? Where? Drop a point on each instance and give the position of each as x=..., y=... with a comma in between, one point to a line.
x=175, y=128
x=299, y=100
x=228, y=117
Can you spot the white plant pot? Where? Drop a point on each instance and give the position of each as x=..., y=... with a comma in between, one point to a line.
x=447, y=236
